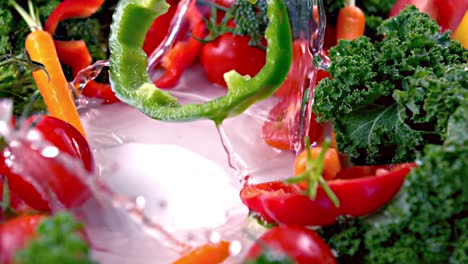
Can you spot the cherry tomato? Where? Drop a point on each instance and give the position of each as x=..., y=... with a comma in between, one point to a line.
x=359, y=195
x=300, y=244
x=229, y=52
x=68, y=189
x=15, y=233
x=331, y=165
x=18, y=205
x=447, y=13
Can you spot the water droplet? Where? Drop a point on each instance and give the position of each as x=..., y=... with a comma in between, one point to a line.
x=235, y=248
x=140, y=202
x=33, y=135
x=215, y=237
x=247, y=180
x=87, y=74
x=50, y=152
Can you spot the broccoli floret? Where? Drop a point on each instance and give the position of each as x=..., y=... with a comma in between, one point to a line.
x=57, y=242
x=251, y=20
x=389, y=98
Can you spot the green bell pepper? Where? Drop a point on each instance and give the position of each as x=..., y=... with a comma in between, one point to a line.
x=132, y=85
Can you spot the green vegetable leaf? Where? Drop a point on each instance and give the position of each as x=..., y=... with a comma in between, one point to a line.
x=389, y=98
x=57, y=242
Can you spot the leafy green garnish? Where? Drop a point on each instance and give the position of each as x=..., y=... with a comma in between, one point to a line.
x=426, y=223
x=312, y=174
x=56, y=242
x=389, y=98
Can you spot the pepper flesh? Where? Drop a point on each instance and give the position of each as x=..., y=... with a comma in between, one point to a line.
x=184, y=52
x=359, y=194
x=132, y=84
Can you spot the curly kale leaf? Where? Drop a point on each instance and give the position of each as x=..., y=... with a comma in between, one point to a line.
x=388, y=98
x=427, y=222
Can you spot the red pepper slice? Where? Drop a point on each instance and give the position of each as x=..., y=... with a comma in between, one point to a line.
x=359, y=195
x=159, y=28
x=75, y=53
x=183, y=53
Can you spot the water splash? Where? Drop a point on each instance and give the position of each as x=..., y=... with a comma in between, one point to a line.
x=85, y=75
x=234, y=160
x=175, y=31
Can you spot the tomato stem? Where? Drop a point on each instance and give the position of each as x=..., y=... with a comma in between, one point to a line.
x=313, y=173
x=6, y=204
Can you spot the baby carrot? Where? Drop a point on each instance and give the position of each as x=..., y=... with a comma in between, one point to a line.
x=52, y=84
x=351, y=22
x=206, y=254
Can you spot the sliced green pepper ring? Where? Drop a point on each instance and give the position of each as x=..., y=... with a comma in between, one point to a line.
x=132, y=85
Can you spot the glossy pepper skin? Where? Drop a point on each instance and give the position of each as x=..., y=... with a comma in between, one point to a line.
x=359, y=190
x=184, y=52
x=132, y=84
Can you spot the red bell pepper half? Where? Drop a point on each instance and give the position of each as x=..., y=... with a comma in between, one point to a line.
x=75, y=53
x=184, y=52
x=360, y=190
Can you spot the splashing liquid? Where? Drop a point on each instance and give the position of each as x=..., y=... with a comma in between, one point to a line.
x=248, y=157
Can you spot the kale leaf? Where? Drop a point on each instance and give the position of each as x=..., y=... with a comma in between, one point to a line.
x=427, y=221
x=389, y=98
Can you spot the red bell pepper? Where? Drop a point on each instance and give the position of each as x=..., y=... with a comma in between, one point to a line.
x=184, y=52
x=360, y=190
x=447, y=13
x=75, y=53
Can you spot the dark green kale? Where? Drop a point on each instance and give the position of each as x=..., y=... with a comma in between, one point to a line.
x=427, y=222
x=57, y=242
x=389, y=98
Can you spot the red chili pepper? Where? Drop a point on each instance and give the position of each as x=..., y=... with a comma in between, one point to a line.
x=159, y=28
x=360, y=190
x=183, y=53
x=75, y=53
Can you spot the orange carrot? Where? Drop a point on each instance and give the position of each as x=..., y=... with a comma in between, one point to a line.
x=52, y=85
x=206, y=254
x=351, y=22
